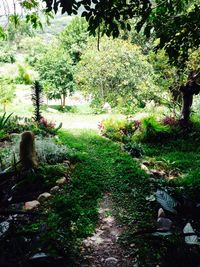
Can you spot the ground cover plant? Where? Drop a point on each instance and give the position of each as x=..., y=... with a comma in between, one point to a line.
x=23, y=183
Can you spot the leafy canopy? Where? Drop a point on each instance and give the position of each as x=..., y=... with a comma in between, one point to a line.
x=175, y=23
x=119, y=73
x=7, y=91
x=74, y=37
x=56, y=72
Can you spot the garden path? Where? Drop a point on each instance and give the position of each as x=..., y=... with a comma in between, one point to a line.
x=95, y=171
x=103, y=249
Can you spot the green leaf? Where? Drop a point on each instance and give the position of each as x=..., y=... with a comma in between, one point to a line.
x=190, y=239
x=166, y=201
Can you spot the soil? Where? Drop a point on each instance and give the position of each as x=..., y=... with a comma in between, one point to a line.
x=103, y=248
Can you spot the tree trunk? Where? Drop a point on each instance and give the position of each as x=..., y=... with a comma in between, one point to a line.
x=64, y=100
x=186, y=106
x=188, y=90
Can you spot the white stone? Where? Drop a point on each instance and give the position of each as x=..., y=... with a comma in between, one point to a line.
x=44, y=196
x=111, y=261
x=54, y=189
x=161, y=213
x=30, y=205
x=61, y=181
x=144, y=167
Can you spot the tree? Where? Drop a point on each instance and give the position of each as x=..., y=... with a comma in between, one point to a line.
x=7, y=91
x=119, y=73
x=74, y=38
x=15, y=13
x=175, y=23
x=56, y=72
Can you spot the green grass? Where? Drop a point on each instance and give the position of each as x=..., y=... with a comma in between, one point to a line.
x=82, y=118
x=184, y=154
x=101, y=167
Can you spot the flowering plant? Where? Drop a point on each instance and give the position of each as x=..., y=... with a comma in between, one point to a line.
x=47, y=124
x=169, y=121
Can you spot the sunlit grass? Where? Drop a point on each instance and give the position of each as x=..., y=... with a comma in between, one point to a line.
x=82, y=118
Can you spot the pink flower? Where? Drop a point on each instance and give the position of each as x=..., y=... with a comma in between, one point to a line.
x=47, y=124
x=169, y=121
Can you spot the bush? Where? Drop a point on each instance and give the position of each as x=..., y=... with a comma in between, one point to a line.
x=24, y=76
x=6, y=54
x=152, y=130
x=3, y=135
x=49, y=127
x=47, y=151
x=18, y=124
x=135, y=149
x=120, y=129
x=148, y=129
x=50, y=152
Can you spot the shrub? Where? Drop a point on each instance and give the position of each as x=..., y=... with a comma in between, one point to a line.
x=49, y=126
x=47, y=151
x=148, y=129
x=7, y=55
x=151, y=129
x=117, y=130
x=4, y=120
x=50, y=152
x=18, y=124
x=135, y=149
x=24, y=76
x=3, y=135
x=15, y=124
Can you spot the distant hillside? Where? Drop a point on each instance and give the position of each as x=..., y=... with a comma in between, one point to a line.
x=57, y=25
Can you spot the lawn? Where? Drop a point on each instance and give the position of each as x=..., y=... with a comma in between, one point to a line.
x=103, y=167
x=78, y=117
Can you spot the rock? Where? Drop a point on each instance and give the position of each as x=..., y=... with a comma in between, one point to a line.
x=146, y=163
x=39, y=255
x=158, y=173
x=107, y=107
x=54, y=189
x=30, y=205
x=4, y=226
x=44, y=196
x=161, y=213
x=191, y=239
x=61, y=181
x=164, y=224
x=144, y=168
x=111, y=261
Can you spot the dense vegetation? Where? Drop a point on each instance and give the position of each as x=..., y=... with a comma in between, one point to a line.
x=145, y=158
